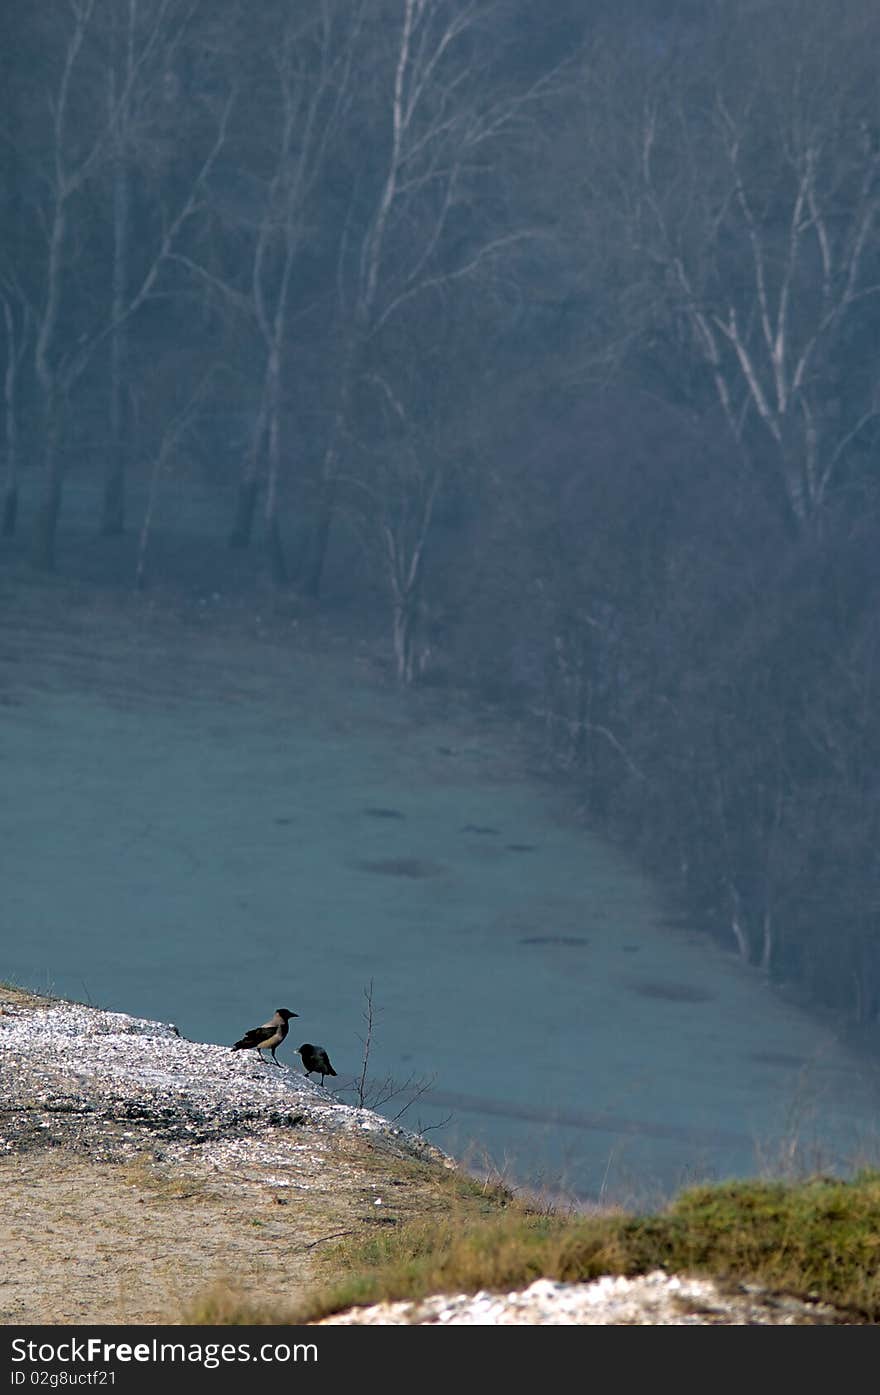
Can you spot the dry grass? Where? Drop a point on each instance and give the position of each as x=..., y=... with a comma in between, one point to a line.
x=226, y=1305
x=818, y=1239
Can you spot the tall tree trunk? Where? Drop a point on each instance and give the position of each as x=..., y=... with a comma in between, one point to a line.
x=312, y=572
x=275, y=547
x=10, y=509
x=403, y=630
x=316, y=553
x=47, y=515
x=277, y=562
x=245, y=507
x=10, y=492
x=113, y=512
x=249, y=483
x=47, y=377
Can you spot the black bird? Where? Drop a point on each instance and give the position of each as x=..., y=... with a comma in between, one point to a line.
x=315, y=1058
x=267, y=1037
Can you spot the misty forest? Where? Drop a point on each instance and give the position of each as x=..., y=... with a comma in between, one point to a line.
x=544, y=335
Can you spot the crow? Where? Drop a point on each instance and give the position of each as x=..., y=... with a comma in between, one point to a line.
x=315, y=1058
x=267, y=1037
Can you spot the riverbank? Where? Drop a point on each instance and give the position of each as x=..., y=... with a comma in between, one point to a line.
x=148, y=1179
x=152, y=1176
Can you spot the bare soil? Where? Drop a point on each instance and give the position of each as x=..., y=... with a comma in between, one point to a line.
x=87, y=1242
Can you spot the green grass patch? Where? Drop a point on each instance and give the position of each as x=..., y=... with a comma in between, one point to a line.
x=818, y=1239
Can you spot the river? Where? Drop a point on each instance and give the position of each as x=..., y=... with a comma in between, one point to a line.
x=200, y=831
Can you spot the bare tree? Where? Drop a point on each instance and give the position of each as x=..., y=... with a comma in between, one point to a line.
x=82, y=142
x=432, y=223
x=759, y=197
x=144, y=43
x=405, y=523
x=373, y=1093
x=175, y=431
x=311, y=63
x=17, y=324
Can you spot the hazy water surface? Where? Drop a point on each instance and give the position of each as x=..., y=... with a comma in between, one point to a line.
x=283, y=841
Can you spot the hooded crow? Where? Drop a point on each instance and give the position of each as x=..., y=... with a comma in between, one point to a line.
x=315, y=1058
x=267, y=1037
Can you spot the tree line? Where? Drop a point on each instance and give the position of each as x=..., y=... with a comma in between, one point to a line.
x=560, y=329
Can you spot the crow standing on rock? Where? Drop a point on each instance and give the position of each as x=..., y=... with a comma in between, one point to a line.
x=267, y=1037
x=315, y=1058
